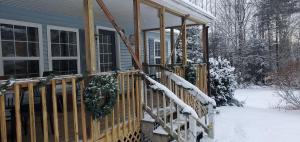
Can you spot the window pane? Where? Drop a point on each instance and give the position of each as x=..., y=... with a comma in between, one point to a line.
x=72, y=38
x=9, y=67
x=20, y=33
x=33, y=49
x=64, y=37
x=21, y=49
x=64, y=50
x=56, y=65
x=54, y=36
x=64, y=66
x=7, y=32
x=55, y=50
x=33, y=67
x=157, y=60
x=73, y=50
x=32, y=34
x=73, y=66
x=21, y=67
x=8, y=49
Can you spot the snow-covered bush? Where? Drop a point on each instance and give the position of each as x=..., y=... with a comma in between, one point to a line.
x=287, y=80
x=222, y=80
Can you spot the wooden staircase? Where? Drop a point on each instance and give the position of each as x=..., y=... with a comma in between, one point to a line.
x=175, y=112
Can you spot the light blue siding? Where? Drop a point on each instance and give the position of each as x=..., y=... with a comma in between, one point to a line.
x=18, y=14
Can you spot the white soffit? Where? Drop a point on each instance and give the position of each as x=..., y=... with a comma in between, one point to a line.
x=122, y=10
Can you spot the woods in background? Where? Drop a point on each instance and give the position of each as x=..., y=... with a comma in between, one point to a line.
x=259, y=37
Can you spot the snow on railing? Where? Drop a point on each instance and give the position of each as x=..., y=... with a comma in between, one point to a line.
x=198, y=94
x=203, y=98
x=185, y=113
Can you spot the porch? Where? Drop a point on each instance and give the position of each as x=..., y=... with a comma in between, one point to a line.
x=56, y=111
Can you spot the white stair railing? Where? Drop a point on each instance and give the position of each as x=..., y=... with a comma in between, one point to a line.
x=194, y=97
x=175, y=116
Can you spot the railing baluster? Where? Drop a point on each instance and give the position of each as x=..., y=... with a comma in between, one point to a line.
x=177, y=119
x=164, y=108
x=65, y=109
x=113, y=125
x=118, y=107
x=31, y=113
x=45, y=115
x=106, y=128
x=55, y=117
x=83, y=114
x=151, y=96
x=75, y=115
x=128, y=102
x=138, y=100
x=133, y=101
x=157, y=100
x=185, y=130
x=3, y=120
x=18, y=113
x=123, y=105
x=171, y=117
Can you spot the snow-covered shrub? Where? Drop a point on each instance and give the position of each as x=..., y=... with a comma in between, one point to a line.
x=287, y=80
x=222, y=80
x=290, y=96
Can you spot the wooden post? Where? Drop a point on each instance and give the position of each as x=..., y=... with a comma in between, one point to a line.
x=3, y=132
x=145, y=47
x=18, y=113
x=172, y=46
x=90, y=36
x=183, y=38
x=162, y=36
x=206, y=55
x=137, y=28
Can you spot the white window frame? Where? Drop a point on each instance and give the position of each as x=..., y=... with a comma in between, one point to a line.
x=154, y=48
x=50, y=58
x=117, y=44
x=39, y=58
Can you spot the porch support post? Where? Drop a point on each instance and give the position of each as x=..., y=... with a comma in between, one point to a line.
x=183, y=39
x=145, y=47
x=90, y=36
x=162, y=36
x=206, y=54
x=172, y=46
x=137, y=28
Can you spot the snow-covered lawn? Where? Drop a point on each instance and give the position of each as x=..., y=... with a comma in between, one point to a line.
x=258, y=121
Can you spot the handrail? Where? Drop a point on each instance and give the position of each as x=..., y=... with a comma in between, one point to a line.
x=203, y=98
x=170, y=100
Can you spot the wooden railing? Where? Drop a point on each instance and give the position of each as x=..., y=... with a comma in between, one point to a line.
x=155, y=71
x=172, y=114
x=56, y=112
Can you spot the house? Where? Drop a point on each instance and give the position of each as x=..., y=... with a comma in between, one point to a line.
x=71, y=37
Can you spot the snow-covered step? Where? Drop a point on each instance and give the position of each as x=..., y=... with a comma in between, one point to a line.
x=160, y=135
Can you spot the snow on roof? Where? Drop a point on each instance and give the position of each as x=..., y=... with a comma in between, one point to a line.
x=195, y=91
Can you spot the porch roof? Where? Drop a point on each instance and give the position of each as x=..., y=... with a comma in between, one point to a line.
x=122, y=10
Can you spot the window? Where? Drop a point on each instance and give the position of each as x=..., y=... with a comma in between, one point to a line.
x=107, y=50
x=20, y=49
x=64, y=50
x=156, y=52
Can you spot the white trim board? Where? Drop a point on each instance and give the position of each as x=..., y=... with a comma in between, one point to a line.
x=117, y=44
x=50, y=58
x=40, y=32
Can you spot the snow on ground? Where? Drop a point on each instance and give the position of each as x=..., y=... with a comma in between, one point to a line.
x=258, y=121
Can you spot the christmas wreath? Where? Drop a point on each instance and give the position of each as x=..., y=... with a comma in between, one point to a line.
x=6, y=85
x=100, y=95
